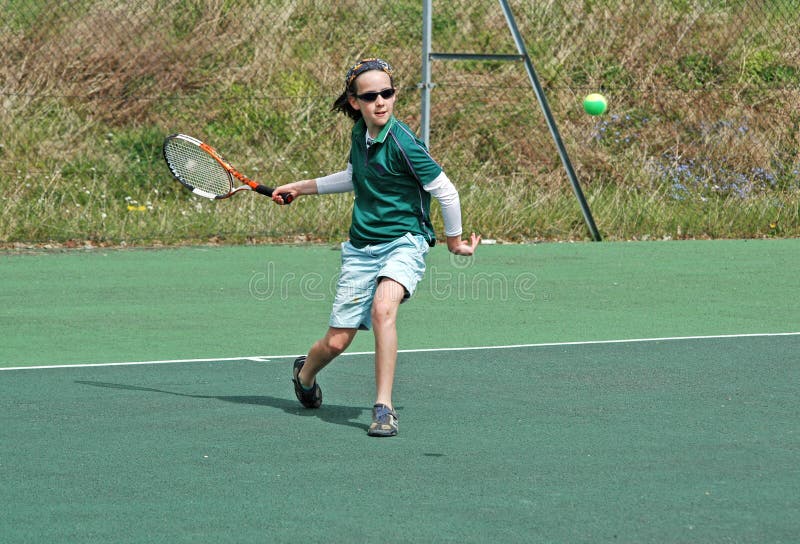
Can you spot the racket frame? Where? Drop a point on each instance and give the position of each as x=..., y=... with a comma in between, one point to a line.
x=248, y=184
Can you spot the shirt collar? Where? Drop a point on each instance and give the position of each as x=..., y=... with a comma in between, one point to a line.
x=381, y=137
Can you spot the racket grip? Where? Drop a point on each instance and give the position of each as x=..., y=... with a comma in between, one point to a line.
x=266, y=191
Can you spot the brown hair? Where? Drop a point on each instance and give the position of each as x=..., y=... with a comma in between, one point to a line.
x=342, y=103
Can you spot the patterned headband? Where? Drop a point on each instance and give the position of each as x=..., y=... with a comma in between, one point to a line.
x=365, y=65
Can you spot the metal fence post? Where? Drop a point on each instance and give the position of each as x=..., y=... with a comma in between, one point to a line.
x=540, y=96
x=425, y=86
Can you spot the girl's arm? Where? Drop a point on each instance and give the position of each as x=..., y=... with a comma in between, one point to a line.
x=443, y=190
x=340, y=182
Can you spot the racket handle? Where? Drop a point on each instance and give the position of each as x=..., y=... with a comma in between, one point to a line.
x=266, y=191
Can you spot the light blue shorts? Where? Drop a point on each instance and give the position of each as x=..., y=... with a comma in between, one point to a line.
x=402, y=260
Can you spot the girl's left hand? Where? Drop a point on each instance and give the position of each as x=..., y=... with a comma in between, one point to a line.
x=458, y=246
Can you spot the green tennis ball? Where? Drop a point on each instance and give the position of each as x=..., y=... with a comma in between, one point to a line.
x=595, y=104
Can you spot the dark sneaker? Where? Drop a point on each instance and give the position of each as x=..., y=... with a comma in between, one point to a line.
x=310, y=398
x=384, y=421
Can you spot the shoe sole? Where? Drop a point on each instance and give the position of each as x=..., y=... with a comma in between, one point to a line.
x=381, y=434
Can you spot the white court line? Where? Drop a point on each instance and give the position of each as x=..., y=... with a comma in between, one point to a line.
x=268, y=358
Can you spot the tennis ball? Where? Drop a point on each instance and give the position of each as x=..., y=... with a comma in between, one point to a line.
x=595, y=104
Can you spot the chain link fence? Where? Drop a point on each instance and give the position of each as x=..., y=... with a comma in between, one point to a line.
x=703, y=97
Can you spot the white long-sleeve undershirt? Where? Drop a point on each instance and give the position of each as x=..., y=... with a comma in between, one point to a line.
x=340, y=182
x=441, y=188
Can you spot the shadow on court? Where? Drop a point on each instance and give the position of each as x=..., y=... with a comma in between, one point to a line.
x=347, y=416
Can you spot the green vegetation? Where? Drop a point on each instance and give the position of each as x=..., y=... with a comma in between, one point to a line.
x=701, y=138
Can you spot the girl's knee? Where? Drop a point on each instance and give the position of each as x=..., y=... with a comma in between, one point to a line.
x=383, y=313
x=336, y=343
x=389, y=296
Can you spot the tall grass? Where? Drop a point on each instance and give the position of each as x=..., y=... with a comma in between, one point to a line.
x=701, y=140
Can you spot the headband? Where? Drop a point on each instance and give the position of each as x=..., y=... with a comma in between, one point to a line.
x=365, y=65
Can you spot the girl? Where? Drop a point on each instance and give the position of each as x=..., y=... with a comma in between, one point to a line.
x=393, y=178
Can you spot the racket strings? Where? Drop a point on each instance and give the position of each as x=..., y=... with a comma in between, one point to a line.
x=196, y=168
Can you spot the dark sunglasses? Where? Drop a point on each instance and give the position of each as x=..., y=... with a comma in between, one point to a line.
x=373, y=96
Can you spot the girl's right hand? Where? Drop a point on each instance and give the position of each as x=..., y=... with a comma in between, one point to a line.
x=284, y=190
x=304, y=187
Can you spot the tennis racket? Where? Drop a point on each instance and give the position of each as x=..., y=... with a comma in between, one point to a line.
x=204, y=172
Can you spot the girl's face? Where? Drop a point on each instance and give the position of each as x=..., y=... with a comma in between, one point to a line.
x=376, y=113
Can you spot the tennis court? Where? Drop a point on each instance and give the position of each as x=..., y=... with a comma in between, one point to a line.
x=614, y=392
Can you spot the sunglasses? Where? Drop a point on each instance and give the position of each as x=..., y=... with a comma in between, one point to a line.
x=373, y=96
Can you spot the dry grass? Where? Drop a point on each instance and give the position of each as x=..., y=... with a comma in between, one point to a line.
x=702, y=137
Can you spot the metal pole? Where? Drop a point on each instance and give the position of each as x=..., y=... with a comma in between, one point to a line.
x=425, y=86
x=537, y=88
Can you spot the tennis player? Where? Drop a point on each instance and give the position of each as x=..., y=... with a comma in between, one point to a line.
x=393, y=177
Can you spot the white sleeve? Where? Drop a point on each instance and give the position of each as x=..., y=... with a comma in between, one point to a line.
x=443, y=190
x=340, y=182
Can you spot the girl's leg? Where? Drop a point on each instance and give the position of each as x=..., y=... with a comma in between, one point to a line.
x=324, y=351
x=388, y=297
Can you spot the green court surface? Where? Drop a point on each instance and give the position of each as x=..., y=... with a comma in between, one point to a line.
x=611, y=392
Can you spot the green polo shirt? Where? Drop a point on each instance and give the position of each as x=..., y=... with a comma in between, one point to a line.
x=387, y=181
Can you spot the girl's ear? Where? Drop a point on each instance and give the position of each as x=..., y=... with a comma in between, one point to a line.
x=353, y=102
